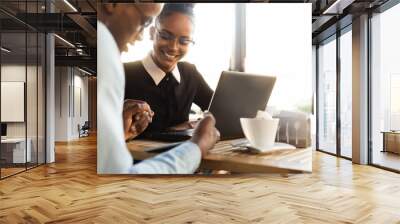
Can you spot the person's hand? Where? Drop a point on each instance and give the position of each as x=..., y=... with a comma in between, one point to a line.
x=205, y=134
x=184, y=126
x=136, y=116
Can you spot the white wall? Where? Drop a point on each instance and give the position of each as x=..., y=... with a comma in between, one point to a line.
x=33, y=127
x=81, y=84
x=62, y=80
x=71, y=94
x=16, y=73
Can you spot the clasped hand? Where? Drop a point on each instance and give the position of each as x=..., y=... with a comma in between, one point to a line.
x=137, y=115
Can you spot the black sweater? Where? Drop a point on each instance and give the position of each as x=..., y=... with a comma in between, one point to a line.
x=171, y=105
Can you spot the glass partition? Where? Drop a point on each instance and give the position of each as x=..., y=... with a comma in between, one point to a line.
x=327, y=96
x=346, y=94
x=385, y=89
x=14, y=154
x=22, y=89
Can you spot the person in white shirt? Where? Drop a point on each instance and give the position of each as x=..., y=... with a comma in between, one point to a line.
x=118, y=25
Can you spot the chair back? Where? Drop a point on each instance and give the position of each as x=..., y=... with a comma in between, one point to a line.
x=294, y=128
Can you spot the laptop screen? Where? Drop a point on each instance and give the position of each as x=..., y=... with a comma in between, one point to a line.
x=239, y=95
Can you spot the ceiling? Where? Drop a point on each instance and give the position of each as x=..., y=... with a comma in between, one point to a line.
x=332, y=15
x=75, y=22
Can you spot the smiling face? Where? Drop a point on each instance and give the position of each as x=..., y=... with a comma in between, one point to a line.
x=168, y=48
x=135, y=17
x=129, y=30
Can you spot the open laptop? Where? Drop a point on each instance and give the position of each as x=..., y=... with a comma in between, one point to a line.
x=237, y=95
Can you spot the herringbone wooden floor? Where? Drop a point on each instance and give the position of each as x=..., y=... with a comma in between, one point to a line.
x=70, y=191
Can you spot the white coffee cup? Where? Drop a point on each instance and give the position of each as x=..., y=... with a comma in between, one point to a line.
x=260, y=132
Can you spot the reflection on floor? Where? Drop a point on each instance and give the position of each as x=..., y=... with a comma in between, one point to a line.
x=10, y=169
x=387, y=159
x=346, y=152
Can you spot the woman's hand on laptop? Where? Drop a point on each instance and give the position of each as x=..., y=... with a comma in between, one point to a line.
x=137, y=115
x=205, y=134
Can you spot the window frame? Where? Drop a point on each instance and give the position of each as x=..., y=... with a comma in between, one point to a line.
x=333, y=37
x=381, y=9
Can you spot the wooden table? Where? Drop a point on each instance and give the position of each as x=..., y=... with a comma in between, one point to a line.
x=224, y=156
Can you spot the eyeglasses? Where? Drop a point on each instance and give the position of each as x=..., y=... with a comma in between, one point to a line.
x=183, y=41
x=145, y=21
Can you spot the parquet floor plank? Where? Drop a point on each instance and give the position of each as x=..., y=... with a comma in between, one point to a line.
x=70, y=191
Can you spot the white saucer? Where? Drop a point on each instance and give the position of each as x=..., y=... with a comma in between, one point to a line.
x=275, y=147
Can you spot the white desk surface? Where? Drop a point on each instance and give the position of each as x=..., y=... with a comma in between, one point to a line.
x=13, y=140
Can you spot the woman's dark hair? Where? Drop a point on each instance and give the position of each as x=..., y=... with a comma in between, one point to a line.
x=170, y=8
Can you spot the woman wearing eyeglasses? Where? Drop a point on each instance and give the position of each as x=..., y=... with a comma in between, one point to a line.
x=168, y=85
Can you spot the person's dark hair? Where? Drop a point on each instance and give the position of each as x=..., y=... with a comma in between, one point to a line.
x=170, y=8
